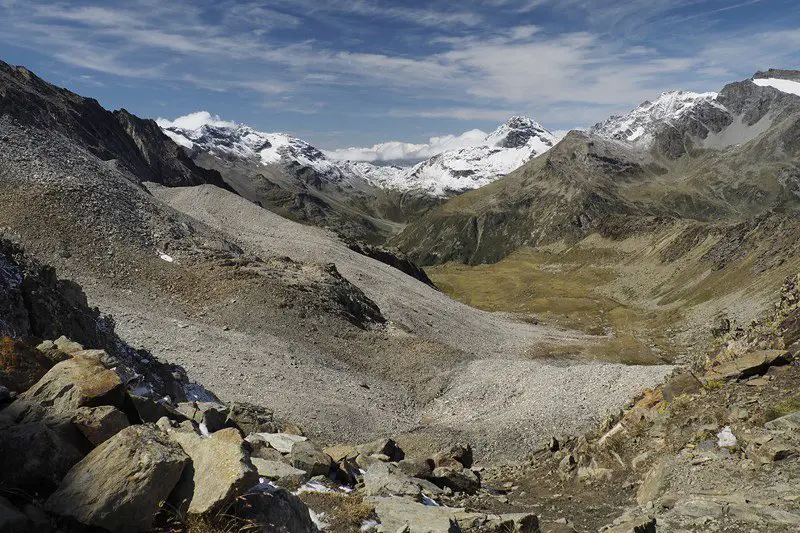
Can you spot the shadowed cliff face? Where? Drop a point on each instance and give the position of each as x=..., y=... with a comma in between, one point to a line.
x=135, y=144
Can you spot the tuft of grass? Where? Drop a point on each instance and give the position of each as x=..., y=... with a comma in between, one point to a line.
x=343, y=512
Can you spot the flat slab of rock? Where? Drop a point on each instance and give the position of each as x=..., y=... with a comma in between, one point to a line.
x=275, y=470
x=751, y=364
x=220, y=471
x=790, y=422
x=283, y=442
x=121, y=485
x=384, y=479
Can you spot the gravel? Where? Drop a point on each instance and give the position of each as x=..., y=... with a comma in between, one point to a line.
x=497, y=395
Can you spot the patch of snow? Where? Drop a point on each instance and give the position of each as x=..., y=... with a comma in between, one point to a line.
x=313, y=486
x=369, y=525
x=204, y=430
x=786, y=86
x=726, y=438
x=317, y=519
x=430, y=502
x=165, y=257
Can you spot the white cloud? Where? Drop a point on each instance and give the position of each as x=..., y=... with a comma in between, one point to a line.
x=396, y=150
x=195, y=120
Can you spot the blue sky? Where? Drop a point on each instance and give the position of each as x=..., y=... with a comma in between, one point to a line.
x=356, y=72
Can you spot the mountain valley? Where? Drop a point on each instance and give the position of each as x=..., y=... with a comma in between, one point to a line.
x=529, y=334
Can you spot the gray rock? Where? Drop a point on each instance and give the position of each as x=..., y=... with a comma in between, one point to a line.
x=459, y=479
x=384, y=479
x=150, y=410
x=220, y=471
x=636, y=525
x=505, y=523
x=459, y=452
x=283, y=442
x=417, y=467
x=276, y=510
x=121, y=485
x=213, y=415
x=309, y=456
x=790, y=422
x=5, y=394
x=35, y=457
x=278, y=470
x=400, y=514
x=11, y=519
x=386, y=447
x=251, y=418
x=98, y=424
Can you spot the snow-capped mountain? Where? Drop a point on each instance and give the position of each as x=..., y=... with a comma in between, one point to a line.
x=230, y=141
x=500, y=152
x=637, y=126
x=507, y=148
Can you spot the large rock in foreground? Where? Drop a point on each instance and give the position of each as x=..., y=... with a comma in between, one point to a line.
x=220, y=471
x=78, y=382
x=121, y=485
x=278, y=509
x=35, y=457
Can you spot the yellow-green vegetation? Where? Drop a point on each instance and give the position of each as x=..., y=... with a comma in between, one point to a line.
x=653, y=297
x=342, y=512
x=788, y=406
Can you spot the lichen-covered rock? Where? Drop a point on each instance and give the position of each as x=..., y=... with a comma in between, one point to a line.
x=121, y=485
x=77, y=382
x=21, y=365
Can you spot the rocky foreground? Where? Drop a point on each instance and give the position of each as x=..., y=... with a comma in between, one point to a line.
x=108, y=438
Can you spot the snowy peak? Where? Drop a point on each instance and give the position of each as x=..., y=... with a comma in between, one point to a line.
x=638, y=125
x=786, y=81
x=232, y=141
x=517, y=132
x=504, y=150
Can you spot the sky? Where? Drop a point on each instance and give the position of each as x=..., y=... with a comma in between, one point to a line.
x=356, y=73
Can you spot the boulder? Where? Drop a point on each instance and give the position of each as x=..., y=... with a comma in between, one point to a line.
x=98, y=424
x=283, y=442
x=121, y=485
x=644, y=524
x=220, y=471
x=77, y=382
x=11, y=519
x=385, y=479
x=459, y=453
x=251, y=418
x=64, y=345
x=278, y=470
x=261, y=449
x=51, y=351
x=400, y=514
x=35, y=457
x=274, y=509
x=421, y=468
x=20, y=365
x=340, y=452
x=309, y=456
x=386, y=447
x=149, y=410
x=212, y=415
x=458, y=478
x=751, y=364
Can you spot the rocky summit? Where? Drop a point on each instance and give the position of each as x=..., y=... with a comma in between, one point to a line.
x=209, y=328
